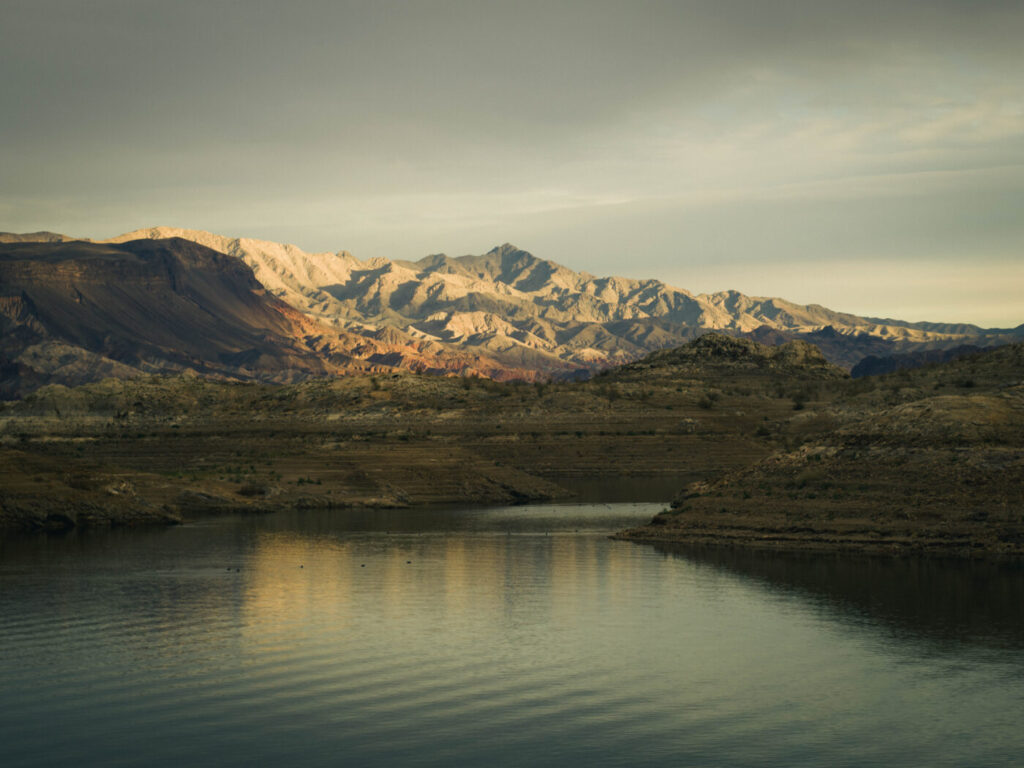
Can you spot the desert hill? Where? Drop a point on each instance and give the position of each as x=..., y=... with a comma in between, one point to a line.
x=74, y=310
x=715, y=356
x=929, y=459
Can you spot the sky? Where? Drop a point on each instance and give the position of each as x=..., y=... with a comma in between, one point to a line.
x=867, y=156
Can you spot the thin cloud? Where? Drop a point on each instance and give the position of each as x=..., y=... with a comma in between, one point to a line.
x=584, y=130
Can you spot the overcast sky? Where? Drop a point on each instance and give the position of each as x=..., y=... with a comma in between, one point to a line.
x=868, y=156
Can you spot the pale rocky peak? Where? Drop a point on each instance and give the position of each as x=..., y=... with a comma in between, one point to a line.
x=510, y=294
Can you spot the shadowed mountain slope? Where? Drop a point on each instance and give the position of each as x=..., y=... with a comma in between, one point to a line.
x=146, y=305
x=873, y=365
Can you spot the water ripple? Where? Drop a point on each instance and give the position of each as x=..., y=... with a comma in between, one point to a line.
x=544, y=647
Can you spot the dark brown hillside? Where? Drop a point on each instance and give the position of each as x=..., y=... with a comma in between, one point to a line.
x=155, y=305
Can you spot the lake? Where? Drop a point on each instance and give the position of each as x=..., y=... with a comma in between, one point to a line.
x=505, y=636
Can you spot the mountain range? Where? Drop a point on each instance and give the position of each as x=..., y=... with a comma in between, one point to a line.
x=72, y=312
x=535, y=313
x=504, y=314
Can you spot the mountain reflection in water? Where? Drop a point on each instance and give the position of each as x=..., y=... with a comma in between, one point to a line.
x=940, y=601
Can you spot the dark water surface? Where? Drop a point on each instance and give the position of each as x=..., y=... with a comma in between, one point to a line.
x=517, y=636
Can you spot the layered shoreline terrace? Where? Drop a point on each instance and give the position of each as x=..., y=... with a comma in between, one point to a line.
x=772, y=446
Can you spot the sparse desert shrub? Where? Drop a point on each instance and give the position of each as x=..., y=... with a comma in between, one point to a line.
x=810, y=475
x=612, y=393
x=81, y=482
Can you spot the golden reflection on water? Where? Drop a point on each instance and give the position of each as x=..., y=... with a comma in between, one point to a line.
x=291, y=581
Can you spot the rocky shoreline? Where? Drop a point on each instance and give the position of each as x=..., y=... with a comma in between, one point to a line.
x=773, y=446
x=961, y=502
x=862, y=540
x=39, y=494
x=930, y=461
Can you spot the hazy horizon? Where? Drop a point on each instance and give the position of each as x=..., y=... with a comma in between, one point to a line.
x=868, y=158
x=624, y=273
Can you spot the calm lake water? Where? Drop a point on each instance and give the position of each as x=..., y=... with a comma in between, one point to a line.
x=516, y=636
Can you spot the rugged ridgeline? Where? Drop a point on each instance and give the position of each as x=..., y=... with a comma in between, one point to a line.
x=930, y=459
x=73, y=312
x=504, y=315
x=532, y=313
